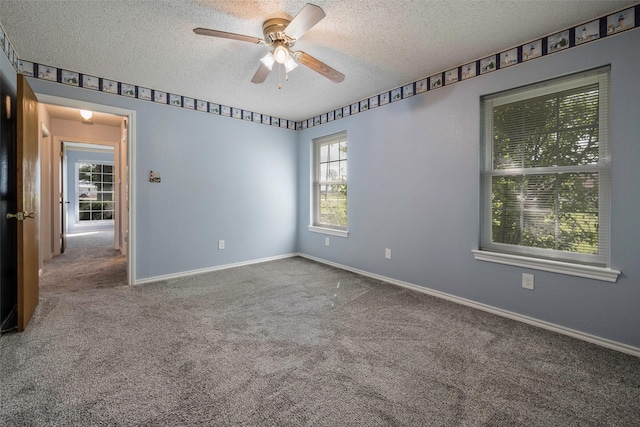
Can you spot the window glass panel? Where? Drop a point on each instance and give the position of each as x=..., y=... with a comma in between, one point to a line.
x=334, y=152
x=343, y=170
x=323, y=172
x=333, y=204
x=334, y=171
x=324, y=153
x=343, y=150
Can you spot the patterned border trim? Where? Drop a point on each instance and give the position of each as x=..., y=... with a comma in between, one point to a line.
x=604, y=26
x=608, y=25
x=86, y=81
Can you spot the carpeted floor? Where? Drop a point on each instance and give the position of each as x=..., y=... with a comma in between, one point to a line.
x=88, y=262
x=293, y=342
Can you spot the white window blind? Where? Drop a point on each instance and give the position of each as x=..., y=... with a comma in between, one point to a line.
x=545, y=170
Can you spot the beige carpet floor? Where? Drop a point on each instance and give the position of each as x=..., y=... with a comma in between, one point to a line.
x=89, y=262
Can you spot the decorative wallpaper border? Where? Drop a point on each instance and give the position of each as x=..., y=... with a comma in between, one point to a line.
x=604, y=26
x=608, y=25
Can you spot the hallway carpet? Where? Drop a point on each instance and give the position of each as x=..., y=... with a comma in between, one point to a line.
x=294, y=343
x=89, y=262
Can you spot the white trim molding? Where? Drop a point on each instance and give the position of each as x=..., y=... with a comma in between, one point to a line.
x=580, y=270
x=330, y=231
x=210, y=269
x=603, y=342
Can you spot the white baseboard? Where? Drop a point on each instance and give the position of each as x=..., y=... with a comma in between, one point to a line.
x=210, y=269
x=621, y=347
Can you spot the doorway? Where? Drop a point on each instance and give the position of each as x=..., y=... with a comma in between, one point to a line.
x=74, y=141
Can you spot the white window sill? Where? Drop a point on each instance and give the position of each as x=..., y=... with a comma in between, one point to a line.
x=580, y=270
x=330, y=231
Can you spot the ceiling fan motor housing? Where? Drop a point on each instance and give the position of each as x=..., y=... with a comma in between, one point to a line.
x=273, y=30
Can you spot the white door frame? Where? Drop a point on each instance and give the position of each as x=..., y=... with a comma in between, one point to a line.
x=130, y=167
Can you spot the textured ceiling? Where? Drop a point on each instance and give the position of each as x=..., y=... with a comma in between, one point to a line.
x=378, y=45
x=73, y=114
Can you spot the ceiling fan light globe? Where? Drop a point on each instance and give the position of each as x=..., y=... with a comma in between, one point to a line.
x=290, y=64
x=281, y=54
x=268, y=60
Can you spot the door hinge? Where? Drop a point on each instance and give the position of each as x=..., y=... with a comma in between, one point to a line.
x=61, y=153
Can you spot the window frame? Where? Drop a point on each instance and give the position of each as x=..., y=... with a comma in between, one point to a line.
x=573, y=263
x=315, y=224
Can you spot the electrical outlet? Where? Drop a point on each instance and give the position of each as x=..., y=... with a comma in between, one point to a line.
x=220, y=244
x=387, y=253
x=527, y=281
x=326, y=241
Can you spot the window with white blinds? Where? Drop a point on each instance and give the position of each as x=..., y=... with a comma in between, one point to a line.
x=545, y=170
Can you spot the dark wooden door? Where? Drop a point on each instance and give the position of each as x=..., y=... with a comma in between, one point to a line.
x=8, y=204
x=28, y=195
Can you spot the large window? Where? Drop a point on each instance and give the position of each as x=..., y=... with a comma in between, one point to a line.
x=94, y=186
x=545, y=172
x=330, y=183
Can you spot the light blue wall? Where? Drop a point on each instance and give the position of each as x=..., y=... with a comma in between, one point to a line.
x=222, y=178
x=74, y=156
x=414, y=188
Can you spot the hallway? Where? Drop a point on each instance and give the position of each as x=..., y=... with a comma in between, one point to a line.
x=89, y=262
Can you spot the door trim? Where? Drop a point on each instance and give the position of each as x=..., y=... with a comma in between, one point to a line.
x=131, y=162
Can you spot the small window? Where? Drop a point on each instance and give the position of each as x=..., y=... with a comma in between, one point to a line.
x=330, y=182
x=545, y=170
x=94, y=187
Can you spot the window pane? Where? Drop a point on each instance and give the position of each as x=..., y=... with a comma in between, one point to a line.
x=324, y=153
x=334, y=151
x=333, y=205
x=343, y=170
x=107, y=168
x=323, y=172
x=555, y=211
x=334, y=171
x=107, y=215
x=343, y=150
x=559, y=129
x=107, y=178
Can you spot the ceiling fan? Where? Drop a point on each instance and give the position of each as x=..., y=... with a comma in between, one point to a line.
x=281, y=35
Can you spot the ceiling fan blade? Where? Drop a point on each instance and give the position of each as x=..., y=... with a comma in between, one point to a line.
x=225, y=35
x=260, y=75
x=309, y=16
x=319, y=67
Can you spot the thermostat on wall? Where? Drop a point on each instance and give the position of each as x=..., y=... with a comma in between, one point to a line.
x=154, y=176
